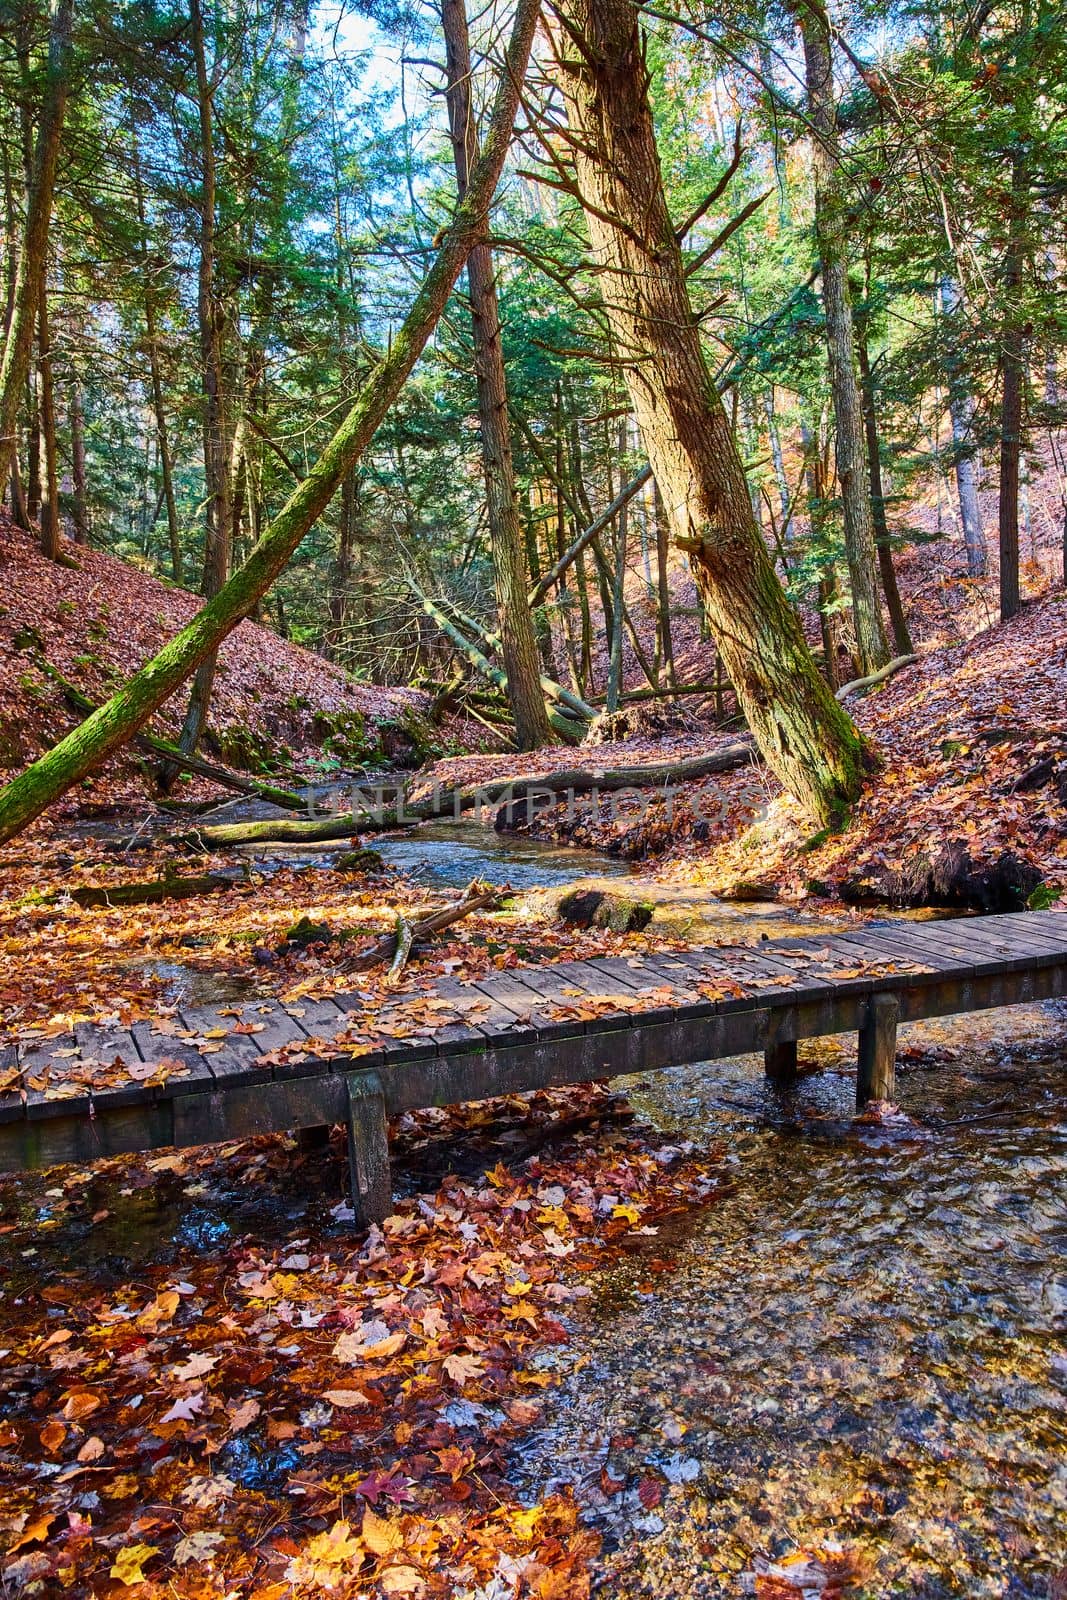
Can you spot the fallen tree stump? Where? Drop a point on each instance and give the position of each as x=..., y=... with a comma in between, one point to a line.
x=950, y=880
x=597, y=908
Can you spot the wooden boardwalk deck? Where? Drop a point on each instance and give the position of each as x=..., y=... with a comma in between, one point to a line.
x=208, y=1074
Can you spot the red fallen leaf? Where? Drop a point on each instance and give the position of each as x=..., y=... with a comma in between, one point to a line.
x=454, y=1462
x=650, y=1493
x=522, y=1412
x=610, y=1485
x=384, y=1486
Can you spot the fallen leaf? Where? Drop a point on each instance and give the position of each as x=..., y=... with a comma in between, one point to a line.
x=380, y=1535
x=129, y=1562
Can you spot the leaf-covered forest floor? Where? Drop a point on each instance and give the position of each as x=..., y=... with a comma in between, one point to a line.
x=971, y=744
x=276, y=708
x=214, y=1386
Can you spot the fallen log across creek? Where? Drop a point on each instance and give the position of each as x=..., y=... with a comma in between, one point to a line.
x=369, y=815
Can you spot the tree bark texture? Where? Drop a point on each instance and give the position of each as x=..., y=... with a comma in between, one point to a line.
x=890, y=587
x=831, y=232
x=961, y=409
x=521, y=660
x=15, y=361
x=218, y=487
x=803, y=734
x=1013, y=374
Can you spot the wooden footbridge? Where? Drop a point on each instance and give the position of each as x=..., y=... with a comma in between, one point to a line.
x=207, y=1075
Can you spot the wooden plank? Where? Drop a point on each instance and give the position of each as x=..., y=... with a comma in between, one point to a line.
x=319, y=1019
x=514, y=991
x=12, y=1105
x=940, y=941
x=497, y=1021
x=110, y=1045
x=759, y=970
x=446, y=1080
x=40, y=1060
x=53, y=1140
x=237, y=1059
x=896, y=942
x=241, y=1111
x=156, y=1047
x=601, y=980
x=1025, y=946
x=275, y=1027
x=814, y=963
x=312, y=1049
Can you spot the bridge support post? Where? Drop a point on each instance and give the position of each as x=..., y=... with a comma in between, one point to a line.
x=876, y=1077
x=780, y=1062
x=368, y=1149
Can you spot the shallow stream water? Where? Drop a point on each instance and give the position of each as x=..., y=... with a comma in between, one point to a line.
x=851, y=1355
x=856, y=1343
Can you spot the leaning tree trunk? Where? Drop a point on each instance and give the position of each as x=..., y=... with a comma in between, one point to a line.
x=115, y=723
x=15, y=362
x=519, y=640
x=830, y=227
x=803, y=734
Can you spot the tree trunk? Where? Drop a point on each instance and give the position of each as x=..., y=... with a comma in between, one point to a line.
x=778, y=460
x=79, y=482
x=15, y=362
x=805, y=737
x=155, y=374
x=618, y=593
x=120, y=718
x=218, y=529
x=890, y=588
x=1013, y=370
x=51, y=528
x=521, y=662
x=961, y=408
x=815, y=475
x=831, y=230
x=666, y=639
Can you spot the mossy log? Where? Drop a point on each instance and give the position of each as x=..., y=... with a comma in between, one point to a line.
x=597, y=908
x=152, y=892
x=285, y=798
x=445, y=803
x=115, y=723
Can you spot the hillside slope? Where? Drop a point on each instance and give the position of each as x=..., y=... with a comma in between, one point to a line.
x=275, y=706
